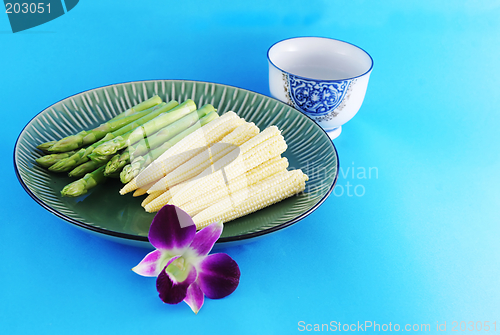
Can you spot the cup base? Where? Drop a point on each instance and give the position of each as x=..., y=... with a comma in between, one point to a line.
x=334, y=133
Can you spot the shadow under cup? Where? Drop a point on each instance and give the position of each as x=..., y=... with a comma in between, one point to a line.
x=325, y=79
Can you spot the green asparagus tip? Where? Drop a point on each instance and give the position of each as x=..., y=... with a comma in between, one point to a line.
x=111, y=166
x=45, y=146
x=48, y=160
x=61, y=166
x=67, y=144
x=77, y=172
x=45, y=161
x=99, y=158
x=125, y=175
x=75, y=189
x=114, y=159
x=109, y=147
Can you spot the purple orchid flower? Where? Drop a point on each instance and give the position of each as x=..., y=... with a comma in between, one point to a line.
x=181, y=262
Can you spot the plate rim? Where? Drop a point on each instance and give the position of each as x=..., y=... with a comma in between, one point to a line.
x=131, y=237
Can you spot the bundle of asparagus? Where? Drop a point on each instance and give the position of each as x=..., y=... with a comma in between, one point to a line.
x=135, y=137
x=88, y=137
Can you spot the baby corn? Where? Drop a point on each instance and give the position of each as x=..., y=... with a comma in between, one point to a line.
x=151, y=197
x=231, y=166
x=204, y=159
x=263, y=171
x=222, y=171
x=187, y=148
x=267, y=192
x=209, y=196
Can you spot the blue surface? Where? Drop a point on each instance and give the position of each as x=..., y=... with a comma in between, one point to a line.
x=420, y=246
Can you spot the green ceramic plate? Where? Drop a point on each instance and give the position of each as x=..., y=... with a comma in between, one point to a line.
x=105, y=212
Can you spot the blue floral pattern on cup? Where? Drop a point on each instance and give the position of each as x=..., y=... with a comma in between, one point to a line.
x=316, y=98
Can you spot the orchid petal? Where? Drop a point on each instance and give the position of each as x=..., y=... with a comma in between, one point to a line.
x=194, y=297
x=172, y=229
x=150, y=266
x=170, y=290
x=205, y=239
x=218, y=276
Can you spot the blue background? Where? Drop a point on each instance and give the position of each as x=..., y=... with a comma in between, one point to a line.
x=421, y=245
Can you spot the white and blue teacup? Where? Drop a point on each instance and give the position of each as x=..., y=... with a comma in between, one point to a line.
x=323, y=78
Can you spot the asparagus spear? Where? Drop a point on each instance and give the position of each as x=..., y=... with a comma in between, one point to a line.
x=82, y=155
x=92, y=165
x=85, y=168
x=148, y=128
x=144, y=146
x=116, y=163
x=82, y=185
x=69, y=163
x=100, y=159
x=49, y=160
x=45, y=146
x=117, y=142
x=140, y=163
x=169, y=131
x=88, y=137
x=139, y=107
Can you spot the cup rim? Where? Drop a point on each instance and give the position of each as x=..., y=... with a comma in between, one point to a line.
x=319, y=37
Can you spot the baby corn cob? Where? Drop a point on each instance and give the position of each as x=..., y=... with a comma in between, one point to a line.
x=204, y=159
x=231, y=201
x=139, y=192
x=130, y=171
x=163, y=198
x=208, y=197
x=209, y=180
x=266, y=193
x=238, y=135
x=188, y=147
x=153, y=205
x=260, y=142
x=151, y=197
x=131, y=175
x=233, y=165
x=129, y=187
x=259, y=149
x=263, y=171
